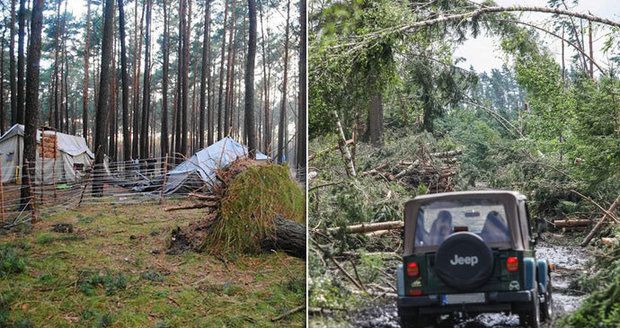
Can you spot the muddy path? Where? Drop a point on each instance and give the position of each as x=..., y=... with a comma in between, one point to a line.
x=570, y=260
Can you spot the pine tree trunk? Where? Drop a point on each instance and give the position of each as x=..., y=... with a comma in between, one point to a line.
x=146, y=87
x=12, y=77
x=283, y=120
x=186, y=66
x=104, y=97
x=220, y=104
x=21, y=18
x=266, y=108
x=2, y=81
x=204, y=77
x=180, y=80
x=124, y=83
x=230, y=71
x=250, y=127
x=86, y=75
x=375, y=118
x=32, y=99
x=135, y=145
x=301, y=112
x=164, y=105
x=591, y=49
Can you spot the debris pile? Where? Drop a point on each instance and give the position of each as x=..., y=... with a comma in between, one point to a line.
x=255, y=206
x=434, y=170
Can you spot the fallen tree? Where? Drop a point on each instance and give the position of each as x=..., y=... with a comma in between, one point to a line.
x=368, y=227
x=256, y=207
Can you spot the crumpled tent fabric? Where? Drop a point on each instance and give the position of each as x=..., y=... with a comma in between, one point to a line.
x=200, y=169
x=71, y=150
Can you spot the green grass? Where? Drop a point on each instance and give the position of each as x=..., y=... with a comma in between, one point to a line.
x=100, y=277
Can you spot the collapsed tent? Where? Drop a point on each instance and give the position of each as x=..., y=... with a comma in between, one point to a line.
x=199, y=170
x=60, y=157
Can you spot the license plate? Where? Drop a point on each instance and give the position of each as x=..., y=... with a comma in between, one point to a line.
x=463, y=298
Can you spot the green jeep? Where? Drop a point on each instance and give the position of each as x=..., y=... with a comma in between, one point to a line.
x=470, y=253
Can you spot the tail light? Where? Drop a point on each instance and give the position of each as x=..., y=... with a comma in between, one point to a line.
x=415, y=292
x=512, y=264
x=412, y=269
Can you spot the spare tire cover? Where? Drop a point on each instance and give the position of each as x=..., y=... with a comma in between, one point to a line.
x=463, y=261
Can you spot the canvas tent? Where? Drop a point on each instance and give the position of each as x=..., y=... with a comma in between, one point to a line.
x=200, y=169
x=64, y=156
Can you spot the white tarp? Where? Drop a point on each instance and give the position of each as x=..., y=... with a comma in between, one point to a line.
x=71, y=150
x=201, y=167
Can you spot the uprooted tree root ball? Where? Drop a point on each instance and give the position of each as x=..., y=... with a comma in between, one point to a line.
x=257, y=206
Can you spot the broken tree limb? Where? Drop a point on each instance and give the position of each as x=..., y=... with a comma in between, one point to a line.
x=609, y=213
x=571, y=223
x=205, y=196
x=191, y=206
x=376, y=170
x=407, y=170
x=369, y=227
x=600, y=223
x=344, y=150
x=447, y=154
x=287, y=313
x=339, y=266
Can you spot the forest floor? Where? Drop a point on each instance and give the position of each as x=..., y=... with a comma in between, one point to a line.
x=113, y=271
x=571, y=262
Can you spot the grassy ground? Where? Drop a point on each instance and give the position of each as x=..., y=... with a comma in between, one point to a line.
x=113, y=272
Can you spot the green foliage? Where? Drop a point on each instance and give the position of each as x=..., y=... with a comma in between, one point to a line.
x=602, y=307
x=253, y=199
x=89, y=281
x=12, y=260
x=44, y=238
x=152, y=275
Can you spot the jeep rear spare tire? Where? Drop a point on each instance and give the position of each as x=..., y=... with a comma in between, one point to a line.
x=463, y=261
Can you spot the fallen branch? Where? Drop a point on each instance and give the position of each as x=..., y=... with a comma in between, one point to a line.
x=376, y=170
x=192, y=206
x=368, y=227
x=344, y=149
x=339, y=266
x=570, y=223
x=447, y=154
x=204, y=196
x=600, y=223
x=287, y=313
x=609, y=213
x=407, y=170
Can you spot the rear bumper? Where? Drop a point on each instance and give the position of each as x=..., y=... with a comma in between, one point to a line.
x=495, y=302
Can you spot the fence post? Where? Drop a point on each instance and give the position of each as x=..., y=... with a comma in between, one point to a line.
x=32, y=198
x=1, y=193
x=161, y=193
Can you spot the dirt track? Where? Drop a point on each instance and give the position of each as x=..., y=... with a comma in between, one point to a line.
x=570, y=261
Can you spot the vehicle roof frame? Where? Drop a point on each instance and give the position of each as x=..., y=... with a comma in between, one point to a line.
x=510, y=199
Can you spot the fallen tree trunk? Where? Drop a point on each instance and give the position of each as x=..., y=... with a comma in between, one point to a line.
x=369, y=227
x=344, y=149
x=447, y=154
x=289, y=237
x=570, y=223
x=600, y=223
